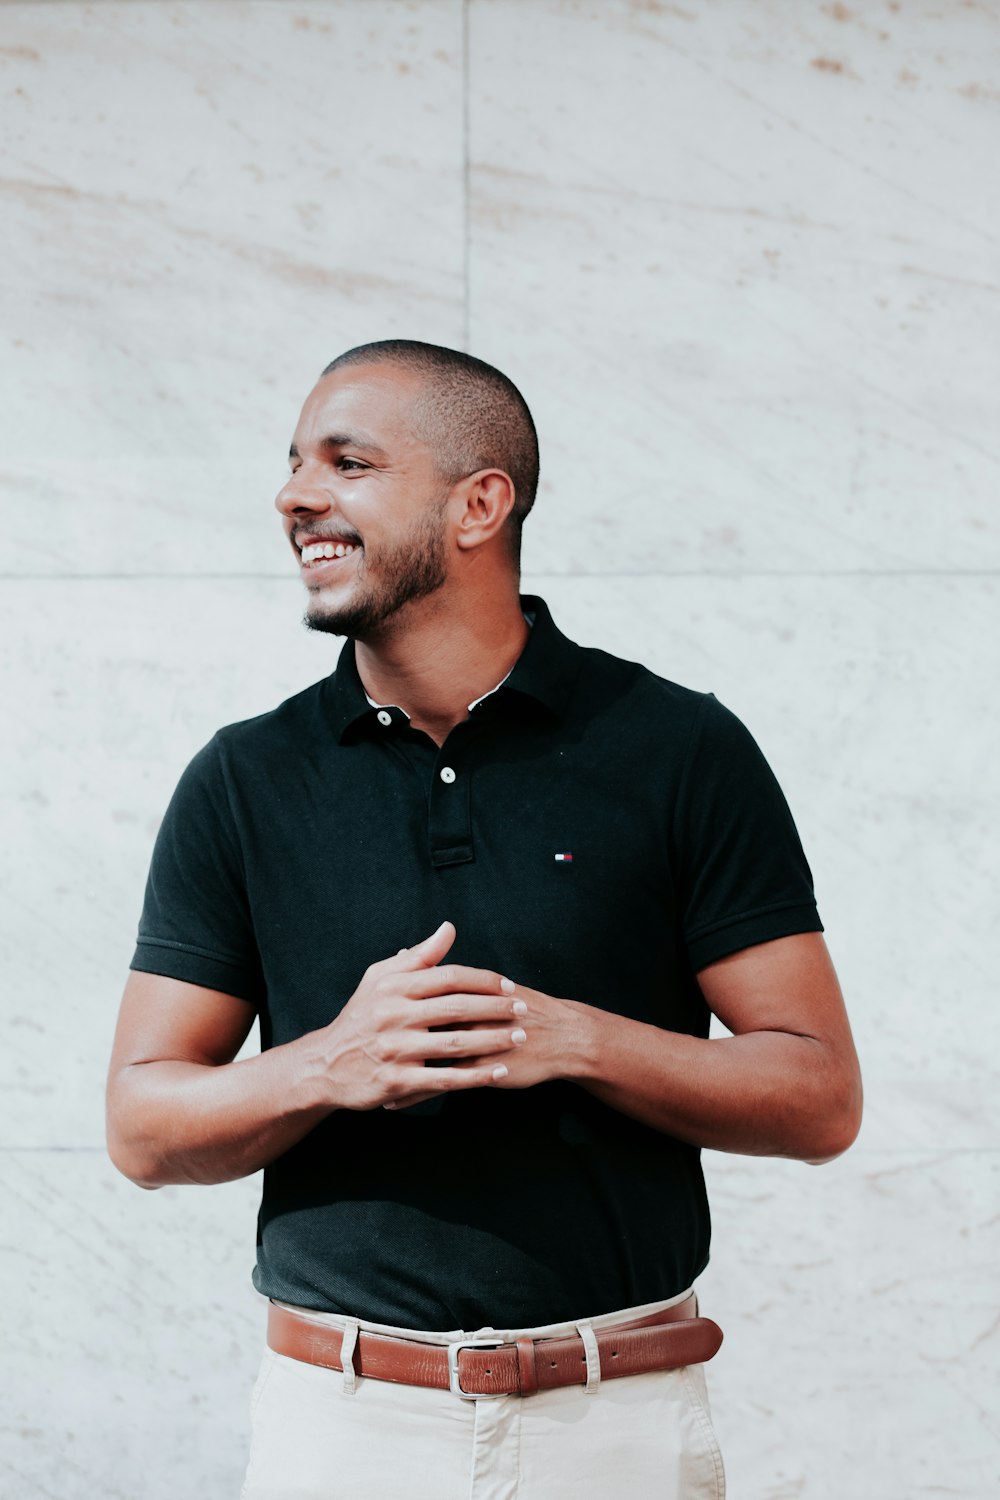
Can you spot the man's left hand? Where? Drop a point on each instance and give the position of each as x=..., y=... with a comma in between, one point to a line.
x=785, y=1082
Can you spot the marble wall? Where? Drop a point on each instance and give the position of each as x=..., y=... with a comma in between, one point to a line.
x=742, y=257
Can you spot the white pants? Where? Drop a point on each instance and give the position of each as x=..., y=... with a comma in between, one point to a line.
x=648, y=1437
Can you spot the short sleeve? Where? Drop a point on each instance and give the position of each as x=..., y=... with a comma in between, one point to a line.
x=743, y=875
x=196, y=923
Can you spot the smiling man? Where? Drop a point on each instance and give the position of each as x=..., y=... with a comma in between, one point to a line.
x=483, y=889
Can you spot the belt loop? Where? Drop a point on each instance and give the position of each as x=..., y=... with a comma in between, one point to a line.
x=593, y=1354
x=527, y=1374
x=347, y=1347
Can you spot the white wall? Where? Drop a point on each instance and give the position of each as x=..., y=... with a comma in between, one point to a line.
x=742, y=257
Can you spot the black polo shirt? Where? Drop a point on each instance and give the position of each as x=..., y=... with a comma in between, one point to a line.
x=594, y=832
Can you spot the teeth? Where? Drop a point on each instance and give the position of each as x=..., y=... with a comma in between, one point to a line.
x=317, y=550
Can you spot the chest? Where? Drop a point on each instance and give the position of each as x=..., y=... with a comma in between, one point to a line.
x=552, y=861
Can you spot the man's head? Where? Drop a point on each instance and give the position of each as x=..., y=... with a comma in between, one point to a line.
x=417, y=457
x=469, y=414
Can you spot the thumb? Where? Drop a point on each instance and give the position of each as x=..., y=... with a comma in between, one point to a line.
x=431, y=951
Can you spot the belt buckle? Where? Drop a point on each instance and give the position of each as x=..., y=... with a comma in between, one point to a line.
x=453, y=1380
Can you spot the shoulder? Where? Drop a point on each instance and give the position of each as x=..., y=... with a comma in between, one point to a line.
x=296, y=720
x=255, y=752
x=654, y=721
x=622, y=687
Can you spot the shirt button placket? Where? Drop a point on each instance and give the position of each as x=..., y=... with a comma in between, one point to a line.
x=450, y=814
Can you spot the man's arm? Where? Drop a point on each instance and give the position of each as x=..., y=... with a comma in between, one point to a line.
x=786, y=1083
x=180, y=1109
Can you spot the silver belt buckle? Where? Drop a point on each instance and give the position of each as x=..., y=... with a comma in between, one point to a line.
x=453, y=1380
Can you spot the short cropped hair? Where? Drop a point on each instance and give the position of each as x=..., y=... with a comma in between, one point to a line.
x=470, y=415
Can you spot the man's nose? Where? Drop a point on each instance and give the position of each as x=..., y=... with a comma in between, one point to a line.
x=302, y=494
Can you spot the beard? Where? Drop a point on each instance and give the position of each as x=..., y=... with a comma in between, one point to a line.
x=409, y=570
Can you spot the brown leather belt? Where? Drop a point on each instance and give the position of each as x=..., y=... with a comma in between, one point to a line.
x=476, y=1367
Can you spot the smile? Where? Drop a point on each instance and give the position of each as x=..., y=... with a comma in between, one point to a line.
x=320, y=552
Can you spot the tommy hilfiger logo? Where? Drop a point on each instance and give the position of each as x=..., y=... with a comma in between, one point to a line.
x=564, y=859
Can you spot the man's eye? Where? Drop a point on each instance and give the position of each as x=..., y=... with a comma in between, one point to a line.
x=351, y=463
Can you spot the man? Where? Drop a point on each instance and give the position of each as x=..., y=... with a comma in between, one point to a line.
x=482, y=888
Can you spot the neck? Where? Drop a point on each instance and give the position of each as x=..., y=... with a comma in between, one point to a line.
x=441, y=656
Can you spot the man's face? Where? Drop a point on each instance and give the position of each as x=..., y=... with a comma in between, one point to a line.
x=364, y=488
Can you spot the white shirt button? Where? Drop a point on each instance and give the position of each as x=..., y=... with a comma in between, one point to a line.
x=447, y=774
x=384, y=718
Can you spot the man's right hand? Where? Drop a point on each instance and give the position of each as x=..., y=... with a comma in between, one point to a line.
x=410, y=1010
x=182, y=1107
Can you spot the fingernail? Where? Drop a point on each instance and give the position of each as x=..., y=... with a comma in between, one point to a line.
x=388, y=1106
x=519, y=1008
x=507, y=985
x=500, y=1072
x=519, y=1036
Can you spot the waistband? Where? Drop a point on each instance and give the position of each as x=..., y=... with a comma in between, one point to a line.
x=506, y=1335
x=493, y=1363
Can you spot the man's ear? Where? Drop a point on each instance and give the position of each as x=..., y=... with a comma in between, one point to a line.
x=485, y=500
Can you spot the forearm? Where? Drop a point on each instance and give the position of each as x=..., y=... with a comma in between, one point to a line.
x=186, y=1122
x=180, y=1111
x=763, y=1093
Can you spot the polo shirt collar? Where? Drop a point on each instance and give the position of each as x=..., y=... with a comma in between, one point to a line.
x=543, y=674
x=548, y=666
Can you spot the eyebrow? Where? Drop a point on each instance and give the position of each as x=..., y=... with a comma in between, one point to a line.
x=345, y=440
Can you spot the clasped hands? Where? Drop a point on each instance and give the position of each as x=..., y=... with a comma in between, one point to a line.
x=410, y=1010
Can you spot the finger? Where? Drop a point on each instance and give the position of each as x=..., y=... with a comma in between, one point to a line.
x=430, y=951
x=409, y=1101
x=479, y=1043
x=413, y=1082
x=409, y=1047
x=461, y=1010
x=445, y=979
